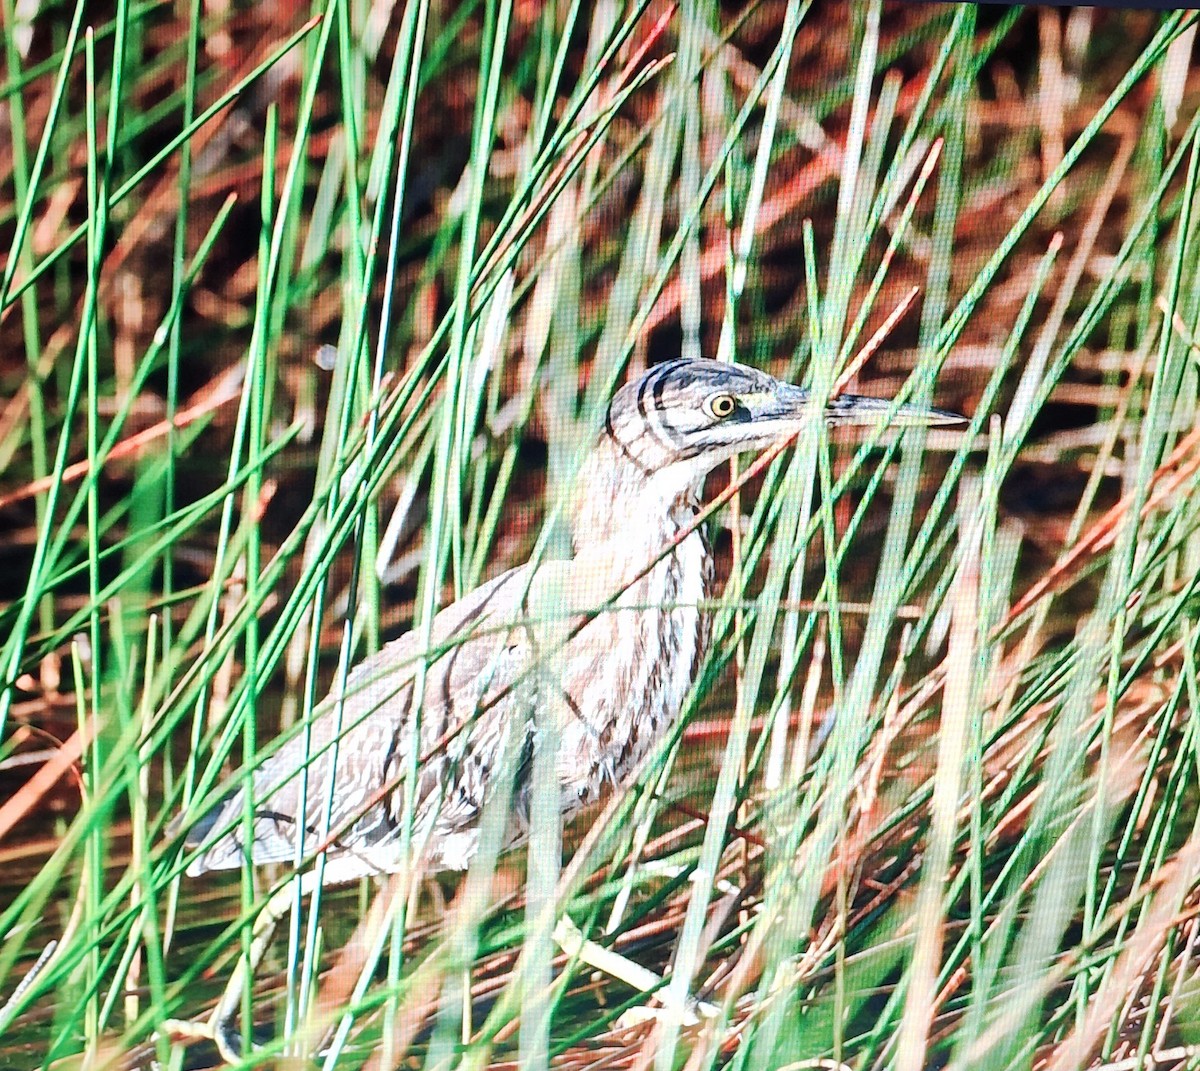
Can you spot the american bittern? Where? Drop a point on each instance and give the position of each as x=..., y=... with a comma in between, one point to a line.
x=630, y=637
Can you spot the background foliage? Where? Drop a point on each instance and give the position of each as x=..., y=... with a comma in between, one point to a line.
x=305, y=316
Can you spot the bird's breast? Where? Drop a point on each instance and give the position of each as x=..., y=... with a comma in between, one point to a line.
x=630, y=671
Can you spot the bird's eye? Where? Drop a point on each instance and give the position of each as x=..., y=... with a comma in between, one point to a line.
x=722, y=405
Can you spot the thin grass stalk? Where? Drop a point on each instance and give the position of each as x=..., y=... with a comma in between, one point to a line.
x=356, y=283
x=362, y=268
x=412, y=47
x=605, y=384
x=687, y=74
x=90, y=660
x=18, y=253
x=20, y=259
x=106, y=449
x=123, y=191
x=179, y=284
x=848, y=244
x=961, y=695
x=126, y=978
x=443, y=526
x=833, y=308
x=687, y=957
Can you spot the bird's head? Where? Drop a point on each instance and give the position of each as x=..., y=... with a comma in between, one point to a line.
x=690, y=415
x=669, y=428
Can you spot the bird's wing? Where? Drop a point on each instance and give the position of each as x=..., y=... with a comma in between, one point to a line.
x=480, y=659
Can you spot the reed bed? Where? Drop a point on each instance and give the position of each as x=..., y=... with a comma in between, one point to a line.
x=306, y=317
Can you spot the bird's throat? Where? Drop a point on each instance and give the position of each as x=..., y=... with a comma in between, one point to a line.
x=621, y=507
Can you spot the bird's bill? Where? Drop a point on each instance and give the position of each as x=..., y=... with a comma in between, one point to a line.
x=858, y=409
x=789, y=405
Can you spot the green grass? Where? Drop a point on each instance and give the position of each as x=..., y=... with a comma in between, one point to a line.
x=938, y=822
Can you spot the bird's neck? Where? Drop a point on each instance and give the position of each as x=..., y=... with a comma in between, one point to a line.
x=629, y=512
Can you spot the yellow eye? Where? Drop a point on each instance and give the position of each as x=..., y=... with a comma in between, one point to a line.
x=722, y=405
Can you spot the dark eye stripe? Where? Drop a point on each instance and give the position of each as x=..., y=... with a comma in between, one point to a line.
x=670, y=366
x=643, y=412
x=643, y=387
x=675, y=434
x=653, y=423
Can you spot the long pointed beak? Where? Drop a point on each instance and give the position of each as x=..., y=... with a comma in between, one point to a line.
x=791, y=403
x=859, y=409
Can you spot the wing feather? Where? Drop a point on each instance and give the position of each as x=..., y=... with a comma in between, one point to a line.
x=358, y=749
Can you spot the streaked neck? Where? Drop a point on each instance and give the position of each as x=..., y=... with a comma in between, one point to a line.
x=621, y=506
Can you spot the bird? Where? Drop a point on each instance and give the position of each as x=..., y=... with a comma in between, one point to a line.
x=604, y=646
